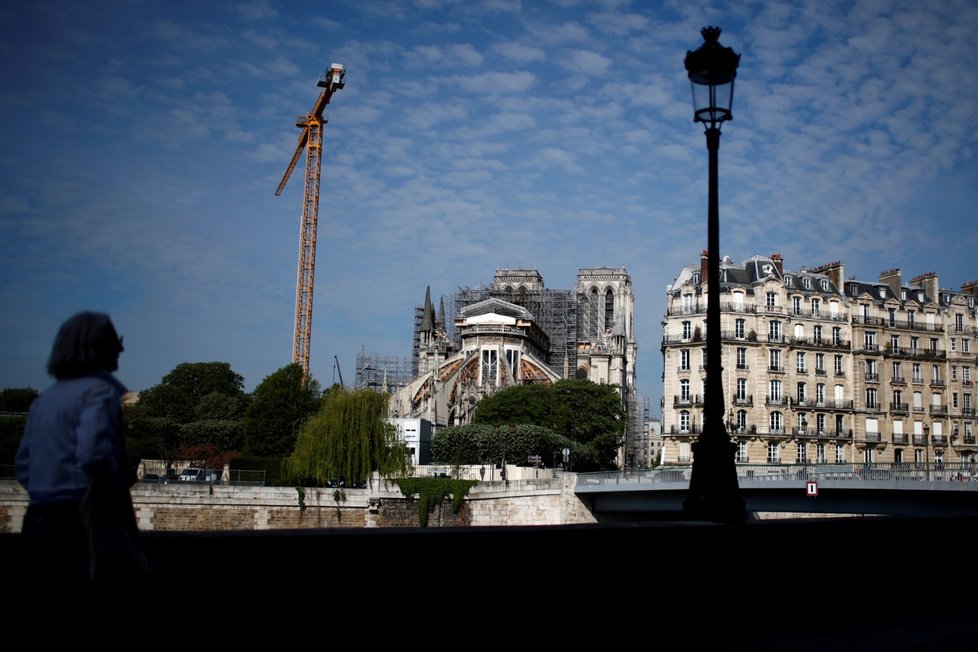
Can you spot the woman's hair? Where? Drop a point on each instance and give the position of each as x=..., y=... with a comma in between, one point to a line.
x=86, y=343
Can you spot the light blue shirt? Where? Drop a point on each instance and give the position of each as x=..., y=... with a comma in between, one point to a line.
x=72, y=434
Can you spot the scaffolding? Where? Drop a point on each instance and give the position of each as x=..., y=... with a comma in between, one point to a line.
x=383, y=372
x=554, y=311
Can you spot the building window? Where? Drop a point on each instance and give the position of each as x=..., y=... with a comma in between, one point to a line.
x=684, y=454
x=774, y=331
x=741, y=389
x=609, y=308
x=800, y=362
x=820, y=424
x=897, y=372
x=687, y=331
x=954, y=372
x=918, y=456
x=771, y=299
x=840, y=454
x=774, y=359
x=741, y=358
x=684, y=390
x=802, y=455
x=820, y=453
x=816, y=307
x=915, y=370
x=820, y=363
x=820, y=394
x=739, y=329
x=894, y=342
x=911, y=315
x=965, y=345
x=836, y=336
x=891, y=312
x=839, y=370
x=490, y=369
x=871, y=372
x=796, y=305
x=773, y=453
x=684, y=421
x=954, y=344
x=914, y=343
x=869, y=340
x=742, y=420
x=802, y=390
x=935, y=374
x=933, y=344
x=684, y=360
x=742, y=451
x=872, y=400
x=898, y=456
x=959, y=322
x=817, y=334
x=687, y=303
x=776, y=421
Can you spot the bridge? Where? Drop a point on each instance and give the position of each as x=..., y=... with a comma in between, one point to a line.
x=792, y=489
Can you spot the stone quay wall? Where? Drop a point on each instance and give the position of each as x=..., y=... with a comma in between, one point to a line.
x=206, y=508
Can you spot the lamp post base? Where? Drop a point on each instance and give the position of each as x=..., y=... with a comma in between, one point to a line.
x=714, y=494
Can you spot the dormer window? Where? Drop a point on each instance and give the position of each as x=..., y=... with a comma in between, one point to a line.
x=696, y=278
x=808, y=283
x=882, y=293
x=825, y=284
x=789, y=280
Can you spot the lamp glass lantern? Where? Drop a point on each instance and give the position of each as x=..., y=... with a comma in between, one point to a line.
x=712, y=70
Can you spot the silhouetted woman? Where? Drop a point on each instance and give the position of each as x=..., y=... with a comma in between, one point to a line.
x=80, y=525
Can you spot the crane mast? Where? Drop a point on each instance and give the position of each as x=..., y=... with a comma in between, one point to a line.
x=310, y=141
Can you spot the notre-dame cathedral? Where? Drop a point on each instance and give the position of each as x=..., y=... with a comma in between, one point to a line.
x=516, y=331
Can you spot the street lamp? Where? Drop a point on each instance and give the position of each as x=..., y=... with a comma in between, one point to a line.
x=714, y=494
x=927, y=450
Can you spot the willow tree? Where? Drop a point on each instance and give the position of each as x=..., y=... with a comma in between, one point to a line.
x=348, y=438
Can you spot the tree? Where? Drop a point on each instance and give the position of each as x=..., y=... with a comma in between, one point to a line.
x=348, y=438
x=483, y=443
x=279, y=406
x=17, y=399
x=578, y=409
x=197, y=403
x=183, y=390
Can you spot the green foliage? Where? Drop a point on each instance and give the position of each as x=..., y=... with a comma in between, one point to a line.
x=224, y=435
x=479, y=444
x=274, y=468
x=217, y=406
x=153, y=437
x=349, y=438
x=279, y=406
x=577, y=409
x=431, y=492
x=17, y=399
x=182, y=390
x=11, y=432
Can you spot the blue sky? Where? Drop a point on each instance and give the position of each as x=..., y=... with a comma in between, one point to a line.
x=142, y=143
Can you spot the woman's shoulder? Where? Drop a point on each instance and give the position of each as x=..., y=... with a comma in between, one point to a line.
x=86, y=386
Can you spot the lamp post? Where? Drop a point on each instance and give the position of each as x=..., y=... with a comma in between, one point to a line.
x=927, y=450
x=714, y=494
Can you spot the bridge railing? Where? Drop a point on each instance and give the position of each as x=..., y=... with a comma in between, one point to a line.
x=964, y=472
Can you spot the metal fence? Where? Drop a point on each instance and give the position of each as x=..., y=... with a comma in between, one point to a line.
x=964, y=472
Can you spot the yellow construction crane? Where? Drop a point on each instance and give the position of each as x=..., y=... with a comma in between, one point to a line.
x=310, y=140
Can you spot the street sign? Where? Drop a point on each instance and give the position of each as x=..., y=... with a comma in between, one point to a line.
x=811, y=487
x=566, y=453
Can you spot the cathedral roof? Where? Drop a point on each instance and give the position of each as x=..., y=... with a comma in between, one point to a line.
x=495, y=306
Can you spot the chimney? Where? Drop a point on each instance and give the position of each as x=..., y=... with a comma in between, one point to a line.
x=704, y=266
x=929, y=283
x=778, y=263
x=892, y=278
x=971, y=287
x=835, y=271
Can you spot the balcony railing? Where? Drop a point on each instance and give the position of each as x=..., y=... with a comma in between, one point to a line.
x=900, y=439
x=900, y=408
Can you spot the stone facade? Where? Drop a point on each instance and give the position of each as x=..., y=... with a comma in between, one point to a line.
x=176, y=507
x=821, y=368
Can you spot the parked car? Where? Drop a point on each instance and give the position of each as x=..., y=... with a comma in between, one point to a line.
x=198, y=475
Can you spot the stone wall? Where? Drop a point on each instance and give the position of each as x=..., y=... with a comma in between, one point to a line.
x=201, y=507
